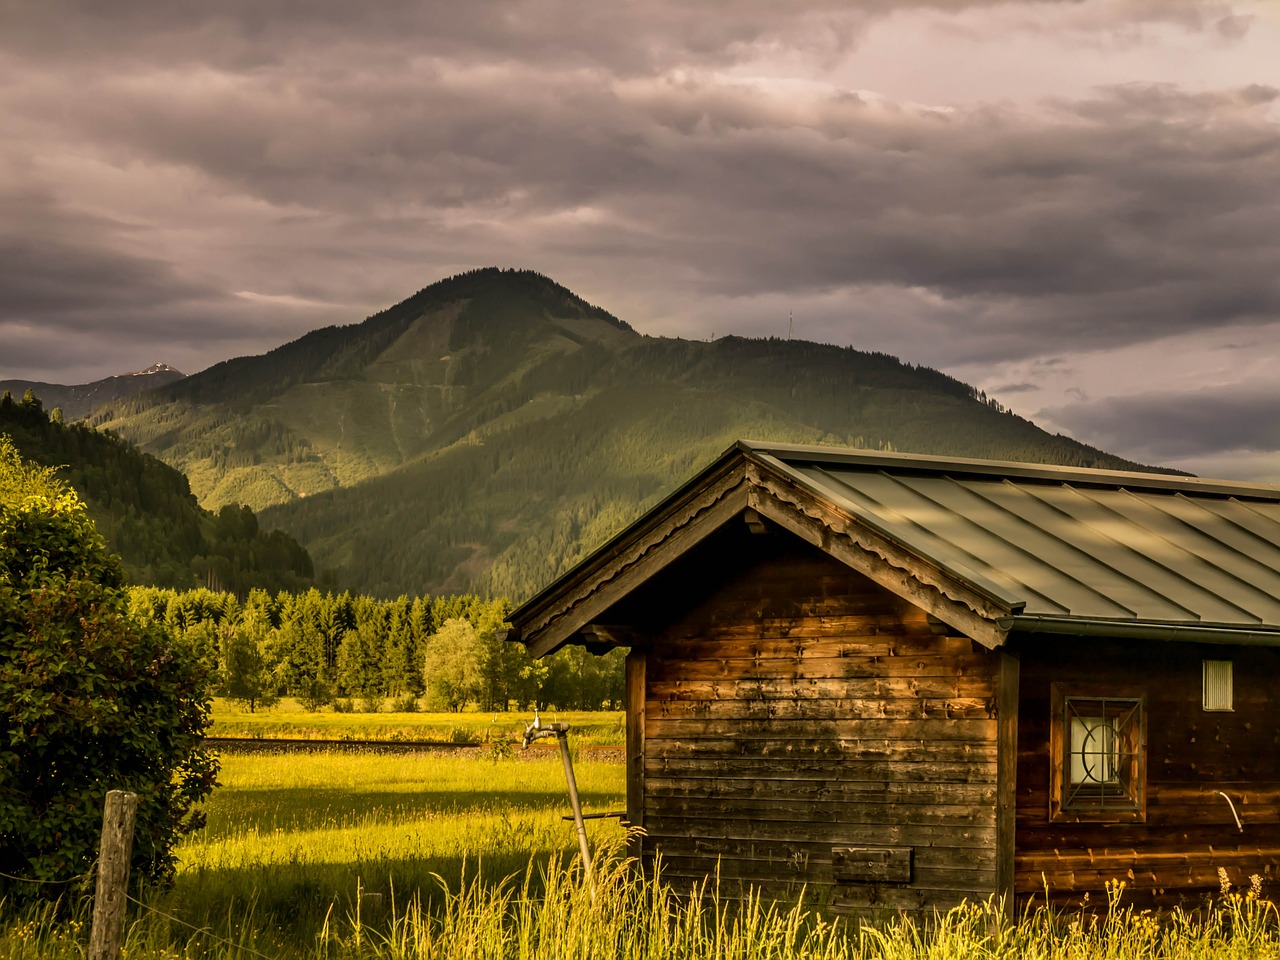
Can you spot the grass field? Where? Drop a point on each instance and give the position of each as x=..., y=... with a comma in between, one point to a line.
x=302, y=830
x=347, y=856
x=288, y=719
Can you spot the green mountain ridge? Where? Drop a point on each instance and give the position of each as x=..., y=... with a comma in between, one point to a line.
x=78, y=400
x=488, y=431
x=145, y=511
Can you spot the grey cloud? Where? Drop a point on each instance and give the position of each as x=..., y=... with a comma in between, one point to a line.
x=350, y=154
x=625, y=39
x=55, y=262
x=1141, y=212
x=1171, y=426
x=247, y=34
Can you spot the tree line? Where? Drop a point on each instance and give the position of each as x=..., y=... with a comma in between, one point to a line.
x=360, y=651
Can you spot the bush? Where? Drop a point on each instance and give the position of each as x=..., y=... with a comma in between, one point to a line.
x=406, y=704
x=315, y=695
x=91, y=699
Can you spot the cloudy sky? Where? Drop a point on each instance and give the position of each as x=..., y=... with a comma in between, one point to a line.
x=1072, y=204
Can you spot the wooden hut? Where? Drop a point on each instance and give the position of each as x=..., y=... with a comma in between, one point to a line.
x=904, y=681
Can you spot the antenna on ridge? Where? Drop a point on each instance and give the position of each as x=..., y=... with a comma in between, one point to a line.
x=791, y=322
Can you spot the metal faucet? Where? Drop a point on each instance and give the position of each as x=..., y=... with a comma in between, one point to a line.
x=536, y=731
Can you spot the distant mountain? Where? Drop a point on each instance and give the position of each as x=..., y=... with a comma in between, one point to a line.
x=146, y=512
x=489, y=430
x=78, y=400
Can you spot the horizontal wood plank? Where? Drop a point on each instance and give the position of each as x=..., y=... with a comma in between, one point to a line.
x=917, y=708
x=926, y=730
x=761, y=770
x=790, y=688
x=786, y=791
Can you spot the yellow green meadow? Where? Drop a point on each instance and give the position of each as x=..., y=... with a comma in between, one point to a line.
x=351, y=855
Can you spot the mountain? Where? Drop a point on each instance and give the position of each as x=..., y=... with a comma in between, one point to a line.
x=486, y=432
x=78, y=400
x=146, y=512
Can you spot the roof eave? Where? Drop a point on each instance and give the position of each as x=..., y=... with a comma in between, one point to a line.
x=1253, y=636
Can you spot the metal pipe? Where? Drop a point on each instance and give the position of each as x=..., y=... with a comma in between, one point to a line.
x=1239, y=825
x=575, y=803
x=538, y=730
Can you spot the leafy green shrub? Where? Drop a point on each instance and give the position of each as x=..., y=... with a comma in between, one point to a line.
x=370, y=704
x=406, y=704
x=91, y=698
x=344, y=705
x=317, y=694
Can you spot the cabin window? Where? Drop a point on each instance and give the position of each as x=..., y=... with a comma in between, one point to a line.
x=1218, y=694
x=1098, y=746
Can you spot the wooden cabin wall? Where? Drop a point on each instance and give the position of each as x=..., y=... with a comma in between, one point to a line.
x=799, y=710
x=1173, y=857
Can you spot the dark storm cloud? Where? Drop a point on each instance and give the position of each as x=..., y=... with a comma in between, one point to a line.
x=1171, y=426
x=53, y=263
x=312, y=157
x=623, y=38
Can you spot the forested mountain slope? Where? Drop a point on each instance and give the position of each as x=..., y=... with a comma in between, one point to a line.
x=489, y=430
x=145, y=511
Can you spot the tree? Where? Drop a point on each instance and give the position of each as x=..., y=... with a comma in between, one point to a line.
x=92, y=698
x=247, y=677
x=450, y=667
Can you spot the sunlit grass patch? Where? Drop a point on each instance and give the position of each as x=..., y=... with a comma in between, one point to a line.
x=289, y=720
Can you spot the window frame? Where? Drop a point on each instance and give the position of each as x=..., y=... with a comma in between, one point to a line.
x=1068, y=801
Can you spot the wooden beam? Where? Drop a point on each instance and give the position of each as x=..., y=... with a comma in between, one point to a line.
x=1007, y=697
x=607, y=636
x=880, y=561
x=635, y=715
x=754, y=522
x=691, y=528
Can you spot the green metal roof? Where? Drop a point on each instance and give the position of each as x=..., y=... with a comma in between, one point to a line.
x=1057, y=545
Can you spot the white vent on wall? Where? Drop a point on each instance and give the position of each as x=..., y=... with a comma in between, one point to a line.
x=1218, y=694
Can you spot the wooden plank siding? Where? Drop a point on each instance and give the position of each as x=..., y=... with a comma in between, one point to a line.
x=1173, y=856
x=798, y=708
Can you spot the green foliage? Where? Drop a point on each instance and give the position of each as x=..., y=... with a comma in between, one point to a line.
x=317, y=646
x=147, y=514
x=451, y=666
x=247, y=676
x=92, y=698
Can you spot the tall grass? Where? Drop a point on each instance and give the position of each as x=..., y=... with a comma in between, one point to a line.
x=549, y=913
x=348, y=857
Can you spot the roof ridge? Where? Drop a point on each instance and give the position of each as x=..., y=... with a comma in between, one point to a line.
x=791, y=453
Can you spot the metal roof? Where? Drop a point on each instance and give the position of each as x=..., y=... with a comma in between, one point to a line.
x=1056, y=545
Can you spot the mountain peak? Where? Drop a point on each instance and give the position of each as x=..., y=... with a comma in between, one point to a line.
x=152, y=370
x=511, y=282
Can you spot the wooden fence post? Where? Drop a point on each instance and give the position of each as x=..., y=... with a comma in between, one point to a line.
x=113, y=875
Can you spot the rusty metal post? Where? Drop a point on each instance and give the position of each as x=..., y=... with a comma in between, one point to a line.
x=536, y=731
x=110, y=896
x=575, y=803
